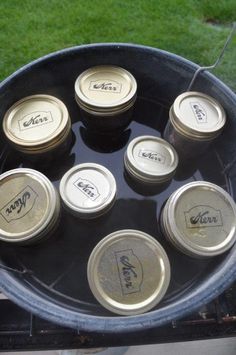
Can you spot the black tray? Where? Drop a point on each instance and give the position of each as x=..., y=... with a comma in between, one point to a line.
x=50, y=279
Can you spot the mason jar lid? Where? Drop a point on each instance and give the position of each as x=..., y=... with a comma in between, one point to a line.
x=29, y=205
x=200, y=219
x=105, y=88
x=88, y=190
x=36, y=123
x=150, y=159
x=197, y=115
x=128, y=272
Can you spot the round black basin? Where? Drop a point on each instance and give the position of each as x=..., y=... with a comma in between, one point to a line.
x=50, y=278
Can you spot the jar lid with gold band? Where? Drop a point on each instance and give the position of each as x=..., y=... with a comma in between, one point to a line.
x=37, y=124
x=150, y=159
x=200, y=219
x=128, y=272
x=197, y=116
x=29, y=206
x=88, y=190
x=105, y=89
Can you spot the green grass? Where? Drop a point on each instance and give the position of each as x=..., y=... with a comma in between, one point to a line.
x=193, y=29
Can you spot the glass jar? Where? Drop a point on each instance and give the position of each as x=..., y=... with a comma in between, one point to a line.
x=106, y=95
x=88, y=190
x=128, y=272
x=195, y=120
x=199, y=219
x=150, y=160
x=38, y=126
x=29, y=206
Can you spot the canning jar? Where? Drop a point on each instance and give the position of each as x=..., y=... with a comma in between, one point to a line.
x=195, y=120
x=88, y=190
x=38, y=126
x=128, y=272
x=106, y=95
x=199, y=219
x=150, y=160
x=29, y=206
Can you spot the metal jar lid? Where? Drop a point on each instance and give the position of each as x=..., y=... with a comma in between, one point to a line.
x=105, y=90
x=197, y=116
x=200, y=219
x=29, y=206
x=150, y=159
x=128, y=272
x=88, y=190
x=37, y=124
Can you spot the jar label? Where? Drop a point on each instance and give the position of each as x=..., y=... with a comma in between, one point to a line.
x=203, y=216
x=152, y=156
x=199, y=112
x=20, y=205
x=87, y=188
x=35, y=119
x=104, y=85
x=130, y=271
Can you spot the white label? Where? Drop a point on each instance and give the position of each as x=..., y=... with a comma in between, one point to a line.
x=87, y=188
x=20, y=205
x=105, y=86
x=152, y=156
x=130, y=271
x=199, y=112
x=35, y=119
x=203, y=216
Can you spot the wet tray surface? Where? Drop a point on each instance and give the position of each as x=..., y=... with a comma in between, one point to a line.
x=59, y=265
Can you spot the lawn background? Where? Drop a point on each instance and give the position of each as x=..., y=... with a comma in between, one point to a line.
x=194, y=29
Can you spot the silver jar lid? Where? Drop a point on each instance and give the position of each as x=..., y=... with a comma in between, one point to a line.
x=197, y=116
x=88, y=190
x=37, y=124
x=128, y=272
x=150, y=159
x=105, y=89
x=200, y=219
x=29, y=206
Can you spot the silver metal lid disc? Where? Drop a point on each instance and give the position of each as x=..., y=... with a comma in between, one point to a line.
x=200, y=219
x=128, y=272
x=37, y=123
x=105, y=88
x=88, y=190
x=28, y=207
x=197, y=115
x=150, y=159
